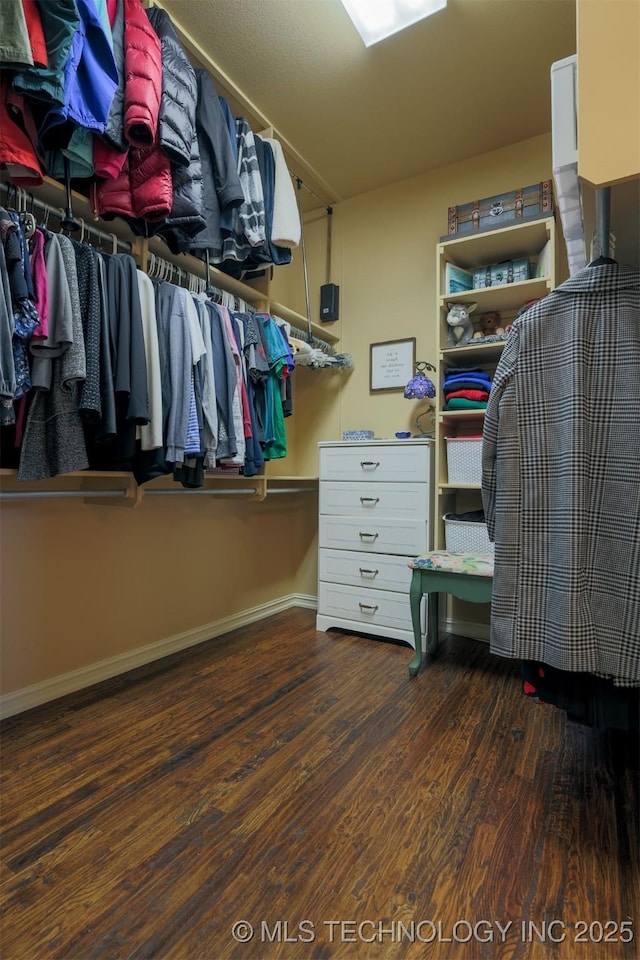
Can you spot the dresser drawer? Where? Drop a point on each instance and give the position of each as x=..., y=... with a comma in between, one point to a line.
x=373, y=571
x=407, y=538
x=376, y=462
x=361, y=498
x=380, y=608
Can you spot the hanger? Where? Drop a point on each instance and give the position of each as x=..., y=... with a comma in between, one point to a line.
x=600, y=261
x=28, y=224
x=30, y=227
x=27, y=219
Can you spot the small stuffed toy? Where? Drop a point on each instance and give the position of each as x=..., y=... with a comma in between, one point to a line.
x=460, y=326
x=490, y=323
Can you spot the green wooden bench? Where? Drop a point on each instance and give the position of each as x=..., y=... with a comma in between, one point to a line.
x=468, y=576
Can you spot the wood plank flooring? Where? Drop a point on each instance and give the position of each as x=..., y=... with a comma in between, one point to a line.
x=301, y=783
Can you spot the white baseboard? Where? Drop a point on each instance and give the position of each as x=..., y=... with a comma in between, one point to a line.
x=38, y=693
x=466, y=628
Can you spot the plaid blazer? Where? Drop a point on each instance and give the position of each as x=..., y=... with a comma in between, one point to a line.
x=561, y=479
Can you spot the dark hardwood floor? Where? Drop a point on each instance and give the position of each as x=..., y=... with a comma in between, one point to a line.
x=301, y=783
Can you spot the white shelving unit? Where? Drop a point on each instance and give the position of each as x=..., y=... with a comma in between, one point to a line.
x=521, y=239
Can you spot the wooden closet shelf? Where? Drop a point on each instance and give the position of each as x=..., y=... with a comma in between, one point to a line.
x=483, y=352
x=450, y=416
x=501, y=298
x=94, y=474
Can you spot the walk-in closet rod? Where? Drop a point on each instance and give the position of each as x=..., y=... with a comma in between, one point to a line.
x=59, y=494
x=202, y=491
x=244, y=491
x=163, y=269
x=292, y=490
x=327, y=348
x=301, y=183
x=304, y=264
x=58, y=212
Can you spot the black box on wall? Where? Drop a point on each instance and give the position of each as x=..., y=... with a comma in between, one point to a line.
x=329, y=301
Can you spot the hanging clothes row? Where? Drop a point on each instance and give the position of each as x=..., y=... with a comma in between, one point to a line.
x=160, y=269
x=105, y=90
x=26, y=205
x=103, y=367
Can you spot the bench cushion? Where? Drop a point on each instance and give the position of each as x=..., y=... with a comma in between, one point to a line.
x=454, y=561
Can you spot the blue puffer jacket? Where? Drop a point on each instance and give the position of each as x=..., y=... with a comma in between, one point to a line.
x=90, y=82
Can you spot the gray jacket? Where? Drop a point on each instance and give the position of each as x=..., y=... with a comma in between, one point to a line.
x=561, y=479
x=222, y=189
x=173, y=331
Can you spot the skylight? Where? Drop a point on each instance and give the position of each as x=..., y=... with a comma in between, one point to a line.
x=376, y=20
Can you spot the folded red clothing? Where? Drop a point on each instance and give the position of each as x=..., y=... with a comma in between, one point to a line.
x=468, y=394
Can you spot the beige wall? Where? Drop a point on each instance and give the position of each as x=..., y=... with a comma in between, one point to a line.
x=82, y=583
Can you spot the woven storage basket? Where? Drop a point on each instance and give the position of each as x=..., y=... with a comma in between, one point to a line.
x=464, y=459
x=467, y=536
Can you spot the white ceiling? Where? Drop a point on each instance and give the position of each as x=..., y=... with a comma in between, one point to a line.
x=470, y=79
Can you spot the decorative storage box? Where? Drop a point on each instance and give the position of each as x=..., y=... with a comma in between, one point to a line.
x=464, y=460
x=457, y=280
x=466, y=535
x=497, y=274
x=525, y=203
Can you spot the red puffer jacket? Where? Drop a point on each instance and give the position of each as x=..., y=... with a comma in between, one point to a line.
x=144, y=188
x=143, y=71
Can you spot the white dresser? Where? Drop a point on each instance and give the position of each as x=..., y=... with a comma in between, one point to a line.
x=375, y=510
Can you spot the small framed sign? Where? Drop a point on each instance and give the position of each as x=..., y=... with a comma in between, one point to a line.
x=392, y=364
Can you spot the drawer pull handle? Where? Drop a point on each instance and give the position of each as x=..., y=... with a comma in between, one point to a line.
x=369, y=463
x=372, y=536
x=363, y=571
x=367, y=606
x=369, y=499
